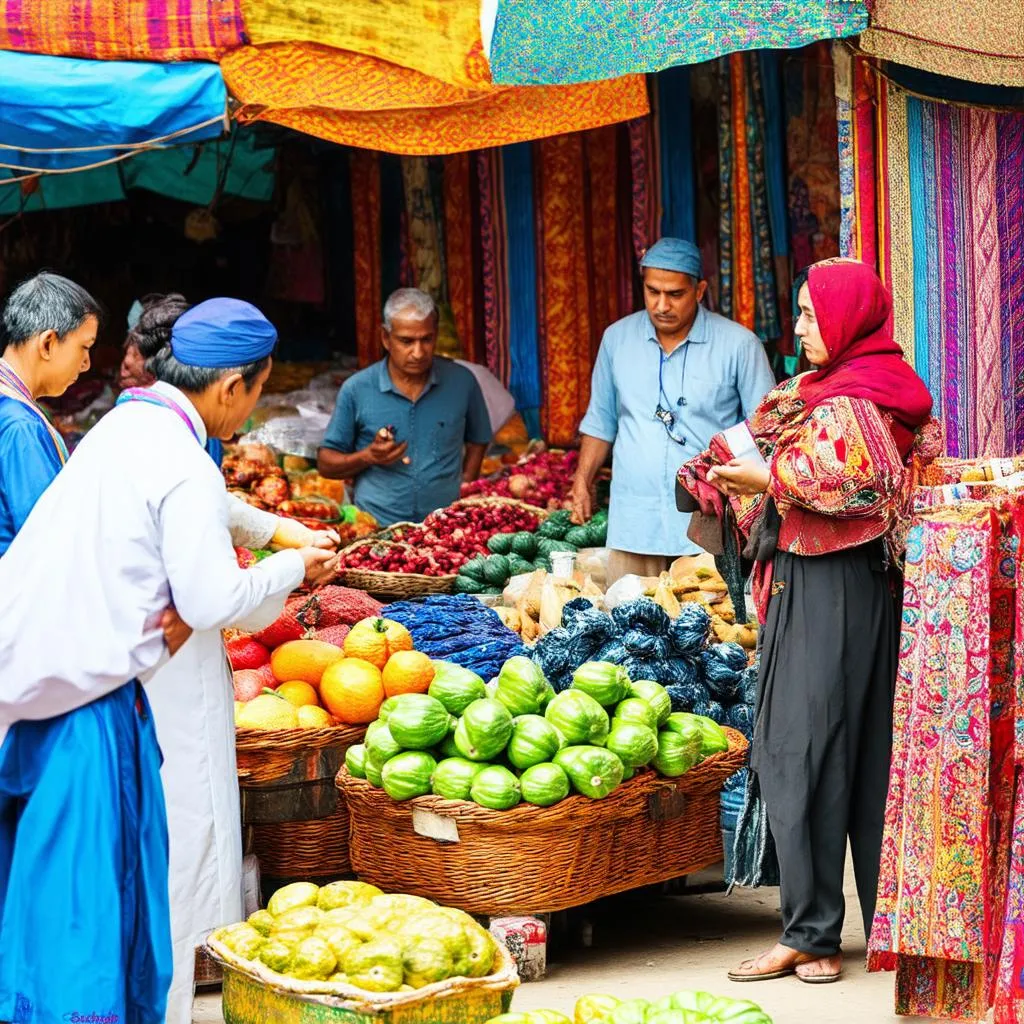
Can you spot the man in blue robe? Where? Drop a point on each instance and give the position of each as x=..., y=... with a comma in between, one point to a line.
x=49, y=326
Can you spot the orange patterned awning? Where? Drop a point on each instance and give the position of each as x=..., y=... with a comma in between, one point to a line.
x=362, y=101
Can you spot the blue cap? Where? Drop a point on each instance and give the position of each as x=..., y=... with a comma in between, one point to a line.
x=675, y=254
x=222, y=333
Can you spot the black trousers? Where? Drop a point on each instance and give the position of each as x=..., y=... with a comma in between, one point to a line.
x=823, y=736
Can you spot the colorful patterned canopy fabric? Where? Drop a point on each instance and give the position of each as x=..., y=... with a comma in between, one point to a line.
x=440, y=38
x=986, y=46
x=156, y=30
x=550, y=42
x=360, y=101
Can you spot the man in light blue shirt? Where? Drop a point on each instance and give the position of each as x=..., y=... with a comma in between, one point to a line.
x=411, y=428
x=667, y=379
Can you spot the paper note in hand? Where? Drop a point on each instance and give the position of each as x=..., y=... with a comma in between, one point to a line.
x=742, y=445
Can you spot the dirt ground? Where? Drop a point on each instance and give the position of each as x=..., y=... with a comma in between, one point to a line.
x=652, y=945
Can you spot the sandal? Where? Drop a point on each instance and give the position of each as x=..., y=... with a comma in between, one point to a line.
x=824, y=977
x=776, y=966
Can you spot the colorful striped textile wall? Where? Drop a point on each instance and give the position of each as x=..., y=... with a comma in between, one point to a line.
x=933, y=195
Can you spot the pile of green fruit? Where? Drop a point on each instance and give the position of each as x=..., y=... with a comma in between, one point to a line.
x=514, y=554
x=681, y=1008
x=516, y=740
x=350, y=933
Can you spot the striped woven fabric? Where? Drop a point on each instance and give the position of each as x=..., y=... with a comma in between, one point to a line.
x=938, y=187
x=154, y=30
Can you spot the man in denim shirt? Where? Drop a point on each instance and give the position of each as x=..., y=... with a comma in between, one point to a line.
x=667, y=379
x=411, y=428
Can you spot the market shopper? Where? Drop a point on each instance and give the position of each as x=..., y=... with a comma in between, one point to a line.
x=137, y=518
x=49, y=327
x=199, y=772
x=666, y=380
x=410, y=428
x=824, y=508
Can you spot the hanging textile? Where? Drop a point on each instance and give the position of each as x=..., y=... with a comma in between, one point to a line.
x=646, y=185
x=524, y=376
x=395, y=265
x=603, y=252
x=675, y=129
x=567, y=338
x=986, y=46
x=458, y=247
x=364, y=168
x=945, y=856
x=749, y=282
x=494, y=264
x=50, y=105
x=165, y=30
x=361, y=101
x=439, y=38
x=424, y=238
x=544, y=42
x=943, y=207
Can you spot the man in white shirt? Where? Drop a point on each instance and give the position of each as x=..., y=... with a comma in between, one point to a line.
x=135, y=522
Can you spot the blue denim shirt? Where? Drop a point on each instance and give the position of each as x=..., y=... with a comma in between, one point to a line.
x=450, y=414
x=711, y=382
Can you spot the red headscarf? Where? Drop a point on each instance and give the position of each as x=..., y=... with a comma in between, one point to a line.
x=852, y=308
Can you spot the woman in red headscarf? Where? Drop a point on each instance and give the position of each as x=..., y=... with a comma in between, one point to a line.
x=822, y=499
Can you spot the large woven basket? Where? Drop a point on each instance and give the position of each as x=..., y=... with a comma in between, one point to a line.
x=539, y=860
x=296, y=819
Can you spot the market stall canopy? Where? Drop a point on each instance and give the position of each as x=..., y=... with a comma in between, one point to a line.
x=234, y=166
x=440, y=38
x=552, y=42
x=362, y=101
x=987, y=46
x=119, y=30
x=60, y=113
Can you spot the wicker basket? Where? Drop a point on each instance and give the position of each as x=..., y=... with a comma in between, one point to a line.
x=303, y=849
x=297, y=821
x=534, y=860
x=254, y=994
x=393, y=585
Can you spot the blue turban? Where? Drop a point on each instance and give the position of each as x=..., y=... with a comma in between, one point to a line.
x=222, y=333
x=675, y=254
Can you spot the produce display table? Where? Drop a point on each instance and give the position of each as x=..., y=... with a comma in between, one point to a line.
x=533, y=860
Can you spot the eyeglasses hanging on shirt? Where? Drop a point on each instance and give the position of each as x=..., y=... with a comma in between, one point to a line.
x=663, y=413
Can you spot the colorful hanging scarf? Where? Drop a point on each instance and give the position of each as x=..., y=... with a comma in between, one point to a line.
x=11, y=386
x=458, y=243
x=422, y=221
x=494, y=264
x=158, y=30
x=365, y=182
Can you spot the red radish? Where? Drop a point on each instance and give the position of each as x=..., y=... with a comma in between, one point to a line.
x=248, y=684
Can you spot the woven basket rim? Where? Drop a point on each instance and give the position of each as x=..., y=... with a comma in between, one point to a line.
x=253, y=740
x=526, y=817
x=347, y=997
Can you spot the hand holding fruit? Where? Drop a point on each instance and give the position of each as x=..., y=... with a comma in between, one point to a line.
x=292, y=534
x=320, y=565
x=384, y=451
x=176, y=631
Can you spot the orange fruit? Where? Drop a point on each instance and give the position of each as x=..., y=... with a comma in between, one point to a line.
x=375, y=640
x=352, y=690
x=298, y=693
x=408, y=672
x=313, y=718
x=303, y=660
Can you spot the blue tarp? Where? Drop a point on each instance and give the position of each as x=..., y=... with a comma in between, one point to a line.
x=60, y=103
